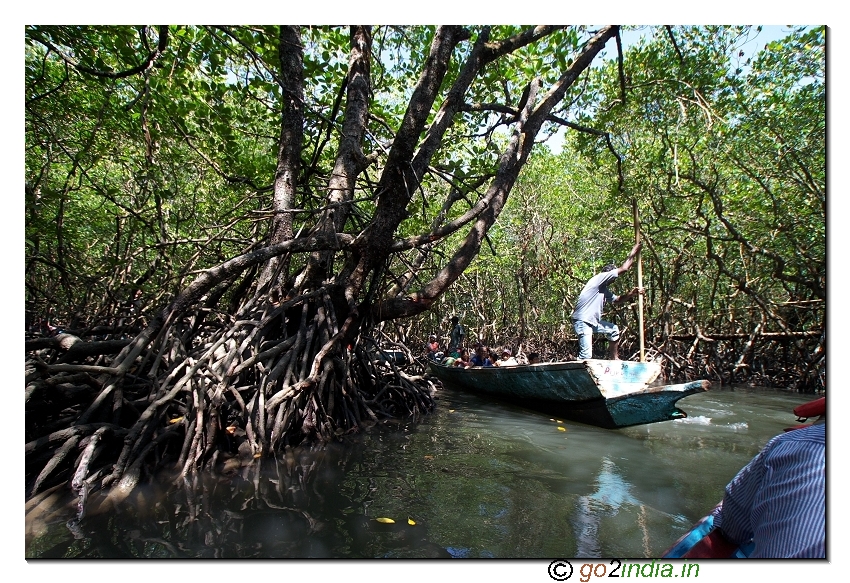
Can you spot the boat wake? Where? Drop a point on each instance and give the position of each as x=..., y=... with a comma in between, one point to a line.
x=699, y=420
x=703, y=420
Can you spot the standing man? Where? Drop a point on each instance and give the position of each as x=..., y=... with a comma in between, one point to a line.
x=455, y=337
x=587, y=316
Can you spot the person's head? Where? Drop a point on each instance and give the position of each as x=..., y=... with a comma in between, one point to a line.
x=432, y=338
x=481, y=351
x=533, y=358
x=464, y=354
x=609, y=267
x=455, y=320
x=506, y=353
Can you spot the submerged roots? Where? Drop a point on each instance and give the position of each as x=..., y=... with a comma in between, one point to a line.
x=212, y=395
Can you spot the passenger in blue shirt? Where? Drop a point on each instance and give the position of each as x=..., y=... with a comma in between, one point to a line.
x=480, y=358
x=778, y=501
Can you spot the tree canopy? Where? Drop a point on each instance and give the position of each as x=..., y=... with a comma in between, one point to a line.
x=725, y=156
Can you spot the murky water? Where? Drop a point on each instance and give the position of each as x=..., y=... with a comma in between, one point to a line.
x=475, y=479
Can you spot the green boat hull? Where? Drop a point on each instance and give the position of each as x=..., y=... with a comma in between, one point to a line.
x=605, y=393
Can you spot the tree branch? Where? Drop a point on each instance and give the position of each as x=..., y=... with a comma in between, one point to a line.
x=143, y=66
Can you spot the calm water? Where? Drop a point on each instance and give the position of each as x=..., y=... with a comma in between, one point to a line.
x=477, y=479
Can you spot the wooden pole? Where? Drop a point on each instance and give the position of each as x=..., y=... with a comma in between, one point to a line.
x=639, y=278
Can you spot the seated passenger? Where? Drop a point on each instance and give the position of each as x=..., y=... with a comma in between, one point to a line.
x=507, y=359
x=480, y=358
x=432, y=347
x=778, y=500
x=777, y=503
x=533, y=358
x=463, y=360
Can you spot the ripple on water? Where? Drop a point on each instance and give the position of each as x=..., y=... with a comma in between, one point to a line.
x=703, y=420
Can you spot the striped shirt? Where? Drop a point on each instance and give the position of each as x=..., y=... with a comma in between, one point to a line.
x=779, y=499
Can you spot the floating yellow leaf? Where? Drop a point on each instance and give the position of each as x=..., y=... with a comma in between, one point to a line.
x=451, y=410
x=562, y=428
x=176, y=420
x=411, y=522
x=559, y=421
x=429, y=457
x=258, y=455
x=385, y=520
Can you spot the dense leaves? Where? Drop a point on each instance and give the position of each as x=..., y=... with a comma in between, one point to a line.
x=725, y=155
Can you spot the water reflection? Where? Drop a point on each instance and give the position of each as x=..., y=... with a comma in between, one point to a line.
x=476, y=479
x=611, y=493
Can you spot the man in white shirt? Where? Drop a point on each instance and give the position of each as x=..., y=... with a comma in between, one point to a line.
x=587, y=315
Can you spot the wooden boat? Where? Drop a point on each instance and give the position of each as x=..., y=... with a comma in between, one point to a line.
x=605, y=393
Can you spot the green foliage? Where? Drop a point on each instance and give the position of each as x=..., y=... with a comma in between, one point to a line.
x=168, y=167
x=726, y=158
